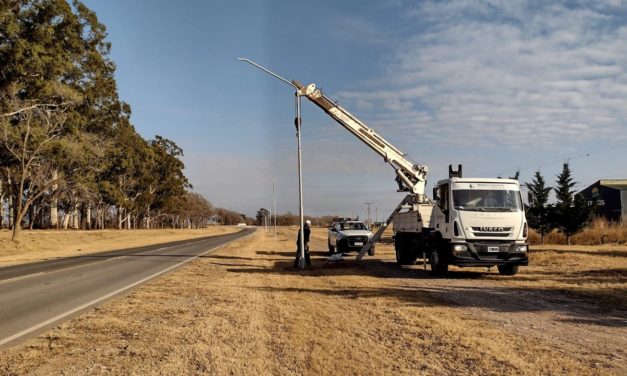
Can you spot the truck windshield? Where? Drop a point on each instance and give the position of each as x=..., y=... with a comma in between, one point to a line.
x=486, y=200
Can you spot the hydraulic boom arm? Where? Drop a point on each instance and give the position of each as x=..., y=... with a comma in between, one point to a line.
x=410, y=177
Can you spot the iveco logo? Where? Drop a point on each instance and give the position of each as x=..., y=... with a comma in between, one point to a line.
x=492, y=229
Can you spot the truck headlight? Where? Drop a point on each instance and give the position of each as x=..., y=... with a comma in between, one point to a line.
x=520, y=248
x=457, y=248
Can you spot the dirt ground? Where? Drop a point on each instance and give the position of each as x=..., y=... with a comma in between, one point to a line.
x=40, y=245
x=243, y=310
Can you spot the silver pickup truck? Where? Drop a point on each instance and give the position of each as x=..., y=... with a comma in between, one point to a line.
x=347, y=235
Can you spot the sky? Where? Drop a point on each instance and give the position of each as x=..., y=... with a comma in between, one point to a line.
x=497, y=86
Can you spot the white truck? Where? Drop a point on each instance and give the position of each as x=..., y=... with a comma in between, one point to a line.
x=469, y=221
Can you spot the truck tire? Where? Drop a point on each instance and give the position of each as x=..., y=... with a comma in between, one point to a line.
x=508, y=269
x=398, y=244
x=439, y=266
x=404, y=254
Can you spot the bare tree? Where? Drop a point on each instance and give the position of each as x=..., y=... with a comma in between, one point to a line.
x=26, y=135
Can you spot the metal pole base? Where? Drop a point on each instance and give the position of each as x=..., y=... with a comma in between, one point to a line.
x=302, y=263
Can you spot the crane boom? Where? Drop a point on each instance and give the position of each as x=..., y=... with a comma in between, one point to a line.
x=410, y=177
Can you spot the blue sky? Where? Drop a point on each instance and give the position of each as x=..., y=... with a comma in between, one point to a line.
x=493, y=85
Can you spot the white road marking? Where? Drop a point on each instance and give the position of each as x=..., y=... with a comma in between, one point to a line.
x=21, y=277
x=107, y=296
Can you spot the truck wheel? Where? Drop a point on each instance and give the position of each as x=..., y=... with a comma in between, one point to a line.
x=398, y=248
x=371, y=251
x=439, y=267
x=399, y=259
x=508, y=269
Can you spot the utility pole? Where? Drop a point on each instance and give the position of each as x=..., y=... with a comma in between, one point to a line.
x=297, y=123
x=369, y=221
x=273, y=199
x=274, y=207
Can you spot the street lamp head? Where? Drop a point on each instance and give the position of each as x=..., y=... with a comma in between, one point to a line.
x=267, y=71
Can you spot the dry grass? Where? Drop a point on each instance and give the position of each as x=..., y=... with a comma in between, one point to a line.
x=39, y=245
x=600, y=231
x=595, y=273
x=242, y=310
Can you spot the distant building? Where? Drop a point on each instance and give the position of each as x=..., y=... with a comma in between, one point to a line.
x=611, y=195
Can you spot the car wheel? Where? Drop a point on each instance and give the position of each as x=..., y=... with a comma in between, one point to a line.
x=508, y=269
x=371, y=251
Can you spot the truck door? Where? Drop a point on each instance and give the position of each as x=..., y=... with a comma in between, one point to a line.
x=444, y=200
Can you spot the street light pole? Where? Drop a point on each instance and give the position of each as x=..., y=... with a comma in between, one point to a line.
x=274, y=207
x=273, y=198
x=297, y=123
x=369, y=221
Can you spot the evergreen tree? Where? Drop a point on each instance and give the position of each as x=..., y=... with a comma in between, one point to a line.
x=53, y=58
x=66, y=138
x=563, y=191
x=572, y=212
x=170, y=181
x=539, y=212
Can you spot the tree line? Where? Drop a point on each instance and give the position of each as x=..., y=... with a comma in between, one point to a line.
x=264, y=216
x=569, y=214
x=69, y=154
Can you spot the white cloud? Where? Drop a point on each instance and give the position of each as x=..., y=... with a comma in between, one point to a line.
x=511, y=73
x=357, y=30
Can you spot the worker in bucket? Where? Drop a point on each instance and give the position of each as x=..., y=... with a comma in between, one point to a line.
x=307, y=232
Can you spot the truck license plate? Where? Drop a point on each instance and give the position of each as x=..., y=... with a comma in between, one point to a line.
x=493, y=249
x=359, y=243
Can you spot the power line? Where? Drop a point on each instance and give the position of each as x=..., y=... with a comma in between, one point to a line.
x=572, y=155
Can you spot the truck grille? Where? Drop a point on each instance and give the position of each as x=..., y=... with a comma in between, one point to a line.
x=482, y=248
x=492, y=232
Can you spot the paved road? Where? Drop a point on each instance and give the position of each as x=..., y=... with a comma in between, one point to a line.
x=37, y=296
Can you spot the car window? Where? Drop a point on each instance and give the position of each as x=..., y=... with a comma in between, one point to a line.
x=352, y=226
